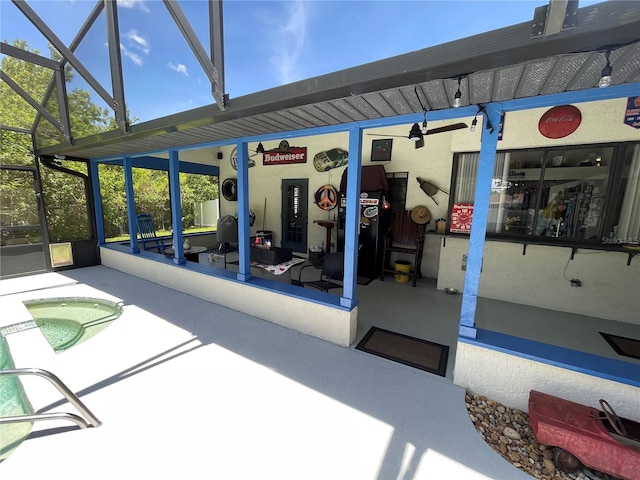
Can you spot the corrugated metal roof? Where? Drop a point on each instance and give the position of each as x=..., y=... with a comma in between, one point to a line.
x=496, y=66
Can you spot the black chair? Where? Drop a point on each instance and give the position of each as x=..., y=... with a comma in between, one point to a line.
x=227, y=236
x=332, y=271
x=147, y=232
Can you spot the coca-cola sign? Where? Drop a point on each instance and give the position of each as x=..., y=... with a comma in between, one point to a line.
x=558, y=122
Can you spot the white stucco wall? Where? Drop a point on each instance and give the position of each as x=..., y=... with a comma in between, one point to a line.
x=542, y=277
x=509, y=379
x=336, y=325
x=432, y=162
x=609, y=286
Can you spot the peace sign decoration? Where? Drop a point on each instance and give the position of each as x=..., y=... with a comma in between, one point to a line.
x=326, y=197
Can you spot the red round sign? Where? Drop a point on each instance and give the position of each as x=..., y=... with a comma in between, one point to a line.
x=559, y=122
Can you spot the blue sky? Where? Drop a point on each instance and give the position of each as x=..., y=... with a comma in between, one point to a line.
x=267, y=43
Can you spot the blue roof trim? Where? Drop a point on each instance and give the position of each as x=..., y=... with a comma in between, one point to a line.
x=157, y=163
x=589, y=364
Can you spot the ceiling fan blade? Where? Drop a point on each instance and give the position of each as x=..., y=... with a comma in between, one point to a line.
x=383, y=135
x=447, y=128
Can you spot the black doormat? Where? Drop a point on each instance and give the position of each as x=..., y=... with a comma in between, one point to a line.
x=628, y=347
x=364, y=280
x=415, y=352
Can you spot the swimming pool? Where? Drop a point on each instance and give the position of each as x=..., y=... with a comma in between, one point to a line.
x=64, y=322
x=13, y=402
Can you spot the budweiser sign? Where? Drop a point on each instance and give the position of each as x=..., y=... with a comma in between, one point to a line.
x=559, y=122
x=284, y=155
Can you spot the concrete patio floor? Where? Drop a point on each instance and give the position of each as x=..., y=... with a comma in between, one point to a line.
x=189, y=389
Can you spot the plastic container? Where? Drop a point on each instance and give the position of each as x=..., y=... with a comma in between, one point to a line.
x=403, y=268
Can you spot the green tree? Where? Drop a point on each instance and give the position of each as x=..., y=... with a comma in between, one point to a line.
x=65, y=197
x=64, y=194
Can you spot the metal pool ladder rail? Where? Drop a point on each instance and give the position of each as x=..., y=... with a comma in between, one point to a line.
x=87, y=420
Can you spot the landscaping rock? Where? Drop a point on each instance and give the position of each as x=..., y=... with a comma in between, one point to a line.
x=508, y=432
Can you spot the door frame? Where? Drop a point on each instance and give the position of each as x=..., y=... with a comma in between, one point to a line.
x=44, y=233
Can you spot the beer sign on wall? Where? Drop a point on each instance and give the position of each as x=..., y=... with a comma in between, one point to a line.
x=632, y=113
x=559, y=122
x=284, y=155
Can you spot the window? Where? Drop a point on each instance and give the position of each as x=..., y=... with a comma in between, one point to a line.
x=580, y=194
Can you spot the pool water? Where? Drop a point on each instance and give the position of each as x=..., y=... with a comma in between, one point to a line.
x=66, y=322
x=13, y=402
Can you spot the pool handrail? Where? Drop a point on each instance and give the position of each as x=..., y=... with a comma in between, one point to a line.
x=89, y=420
x=72, y=417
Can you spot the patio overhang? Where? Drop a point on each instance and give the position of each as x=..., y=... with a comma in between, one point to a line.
x=505, y=64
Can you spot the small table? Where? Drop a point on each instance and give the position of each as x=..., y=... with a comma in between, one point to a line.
x=190, y=253
x=328, y=224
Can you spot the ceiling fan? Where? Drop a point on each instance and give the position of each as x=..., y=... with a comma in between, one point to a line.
x=417, y=134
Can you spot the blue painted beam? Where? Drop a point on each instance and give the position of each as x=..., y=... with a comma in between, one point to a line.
x=352, y=220
x=479, y=222
x=244, y=269
x=162, y=164
x=176, y=207
x=594, y=94
x=131, y=205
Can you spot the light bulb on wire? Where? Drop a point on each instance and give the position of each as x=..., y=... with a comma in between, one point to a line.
x=605, y=76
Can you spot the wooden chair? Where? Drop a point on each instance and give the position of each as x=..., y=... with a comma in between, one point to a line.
x=147, y=232
x=332, y=271
x=406, y=237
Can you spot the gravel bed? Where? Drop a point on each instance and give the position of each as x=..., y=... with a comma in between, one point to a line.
x=508, y=432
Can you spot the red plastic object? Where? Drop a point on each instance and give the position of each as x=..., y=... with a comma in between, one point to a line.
x=583, y=432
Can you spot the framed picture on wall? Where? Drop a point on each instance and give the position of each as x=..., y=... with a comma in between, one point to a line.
x=381, y=150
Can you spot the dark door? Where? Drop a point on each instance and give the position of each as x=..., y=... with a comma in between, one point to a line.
x=21, y=236
x=294, y=214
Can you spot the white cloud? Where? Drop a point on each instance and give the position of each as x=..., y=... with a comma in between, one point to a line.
x=139, y=4
x=180, y=68
x=134, y=57
x=137, y=46
x=289, y=39
x=138, y=41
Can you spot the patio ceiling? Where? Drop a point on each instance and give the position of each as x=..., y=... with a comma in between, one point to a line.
x=511, y=63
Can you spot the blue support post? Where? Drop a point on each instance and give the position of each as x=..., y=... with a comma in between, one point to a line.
x=176, y=207
x=131, y=205
x=97, y=202
x=479, y=223
x=244, y=268
x=352, y=222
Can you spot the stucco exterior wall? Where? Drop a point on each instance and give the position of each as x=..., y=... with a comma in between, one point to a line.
x=509, y=379
x=542, y=277
x=608, y=286
x=336, y=325
x=432, y=162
